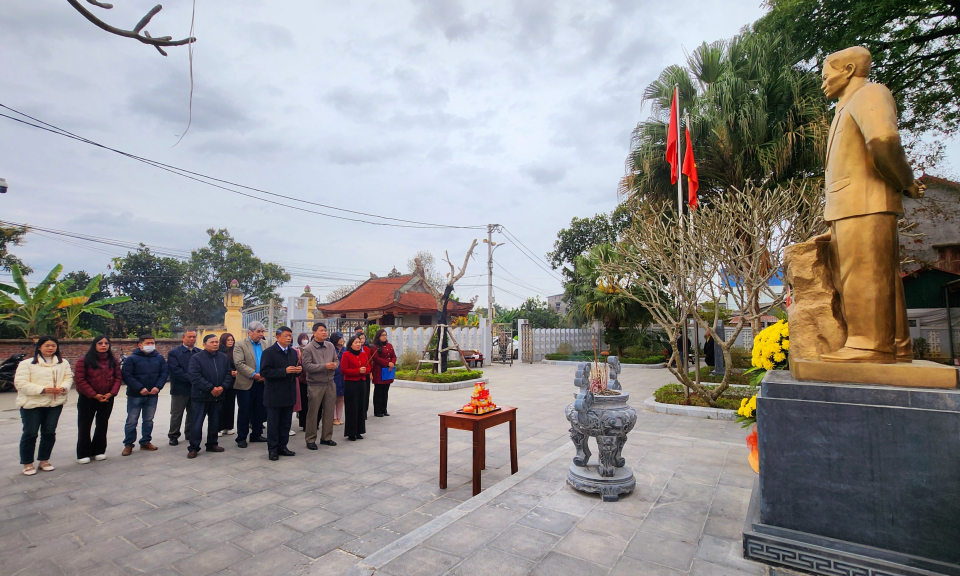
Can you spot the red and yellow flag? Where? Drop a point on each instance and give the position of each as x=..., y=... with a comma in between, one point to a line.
x=672, y=133
x=690, y=171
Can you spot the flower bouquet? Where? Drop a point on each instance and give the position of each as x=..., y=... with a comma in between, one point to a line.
x=771, y=349
x=747, y=416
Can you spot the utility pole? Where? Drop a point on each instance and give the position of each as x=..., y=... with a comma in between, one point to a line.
x=491, y=228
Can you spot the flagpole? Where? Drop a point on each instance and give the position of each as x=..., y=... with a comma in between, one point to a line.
x=676, y=95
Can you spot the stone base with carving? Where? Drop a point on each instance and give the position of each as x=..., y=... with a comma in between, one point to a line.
x=588, y=479
x=856, y=479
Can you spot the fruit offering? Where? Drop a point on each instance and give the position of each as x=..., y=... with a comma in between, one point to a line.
x=480, y=402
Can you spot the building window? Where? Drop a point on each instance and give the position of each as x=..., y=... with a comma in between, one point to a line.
x=426, y=319
x=387, y=320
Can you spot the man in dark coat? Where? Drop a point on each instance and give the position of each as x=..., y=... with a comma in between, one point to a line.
x=178, y=361
x=280, y=366
x=210, y=376
x=144, y=372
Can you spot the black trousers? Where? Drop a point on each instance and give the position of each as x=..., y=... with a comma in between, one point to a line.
x=353, y=408
x=257, y=412
x=380, y=394
x=366, y=397
x=227, y=409
x=88, y=412
x=278, y=427
x=210, y=411
x=302, y=414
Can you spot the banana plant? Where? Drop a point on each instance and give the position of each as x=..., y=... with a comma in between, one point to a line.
x=36, y=311
x=75, y=303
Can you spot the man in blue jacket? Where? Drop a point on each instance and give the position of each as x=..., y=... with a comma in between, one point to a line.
x=178, y=360
x=210, y=375
x=144, y=372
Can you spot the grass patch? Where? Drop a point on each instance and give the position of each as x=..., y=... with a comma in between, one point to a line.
x=603, y=359
x=673, y=394
x=445, y=378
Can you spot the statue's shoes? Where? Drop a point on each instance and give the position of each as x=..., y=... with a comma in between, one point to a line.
x=904, y=359
x=857, y=356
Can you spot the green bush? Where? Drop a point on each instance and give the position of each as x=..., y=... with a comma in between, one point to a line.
x=921, y=348
x=741, y=358
x=445, y=378
x=408, y=360
x=565, y=349
x=573, y=358
x=647, y=360
x=673, y=394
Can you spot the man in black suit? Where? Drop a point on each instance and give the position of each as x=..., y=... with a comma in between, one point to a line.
x=280, y=366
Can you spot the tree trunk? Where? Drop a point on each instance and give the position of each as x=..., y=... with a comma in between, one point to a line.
x=442, y=319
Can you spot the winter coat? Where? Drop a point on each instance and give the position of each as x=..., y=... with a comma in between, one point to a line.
x=178, y=362
x=103, y=379
x=208, y=371
x=351, y=363
x=316, y=355
x=337, y=374
x=280, y=388
x=31, y=379
x=144, y=372
x=382, y=357
x=233, y=366
x=709, y=350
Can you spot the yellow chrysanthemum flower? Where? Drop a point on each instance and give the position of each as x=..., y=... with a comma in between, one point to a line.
x=752, y=404
x=779, y=357
x=785, y=345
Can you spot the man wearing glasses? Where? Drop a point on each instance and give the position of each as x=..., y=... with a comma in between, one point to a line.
x=249, y=386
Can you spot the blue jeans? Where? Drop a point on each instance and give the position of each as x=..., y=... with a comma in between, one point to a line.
x=137, y=405
x=43, y=420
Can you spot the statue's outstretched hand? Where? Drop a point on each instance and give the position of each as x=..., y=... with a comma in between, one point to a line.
x=825, y=237
x=916, y=191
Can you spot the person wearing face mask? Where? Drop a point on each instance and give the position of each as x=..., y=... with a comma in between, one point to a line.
x=178, y=360
x=42, y=383
x=280, y=366
x=144, y=372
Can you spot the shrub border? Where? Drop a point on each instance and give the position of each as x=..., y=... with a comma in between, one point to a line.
x=438, y=387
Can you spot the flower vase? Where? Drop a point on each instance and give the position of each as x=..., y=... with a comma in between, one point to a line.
x=754, y=456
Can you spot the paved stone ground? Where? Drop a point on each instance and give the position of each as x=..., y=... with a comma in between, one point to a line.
x=322, y=512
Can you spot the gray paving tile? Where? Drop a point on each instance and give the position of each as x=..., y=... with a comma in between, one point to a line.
x=492, y=562
x=213, y=535
x=421, y=561
x=438, y=506
x=153, y=535
x=162, y=554
x=310, y=520
x=266, y=538
x=601, y=521
x=627, y=566
x=548, y=520
x=724, y=527
x=395, y=506
x=54, y=528
x=686, y=527
x=571, y=501
x=408, y=523
x=361, y=522
x=555, y=564
x=264, y=516
x=493, y=518
x=664, y=549
x=370, y=542
x=594, y=548
x=210, y=561
x=459, y=538
x=275, y=561
x=335, y=563
x=525, y=542
x=727, y=553
x=704, y=568
x=167, y=512
x=320, y=541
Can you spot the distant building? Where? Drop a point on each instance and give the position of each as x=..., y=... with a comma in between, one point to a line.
x=932, y=239
x=557, y=304
x=405, y=300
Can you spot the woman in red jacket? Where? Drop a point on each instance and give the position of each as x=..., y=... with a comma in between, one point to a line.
x=384, y=364
x=355, y=365
x=97, y=377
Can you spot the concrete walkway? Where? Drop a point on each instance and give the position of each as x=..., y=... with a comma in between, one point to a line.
x=323, y=512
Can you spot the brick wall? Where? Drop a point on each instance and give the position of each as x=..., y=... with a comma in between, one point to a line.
x=73, y=350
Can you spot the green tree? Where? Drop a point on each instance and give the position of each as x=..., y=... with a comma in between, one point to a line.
x=915, y=46
x=539, y=314
x=155, y=287
x=87, y=321
x=36, y=312
x=12, y=236
x=754, y=116
x=210, y=270
x=593, y=295
x=84, y=302
x=583, y=234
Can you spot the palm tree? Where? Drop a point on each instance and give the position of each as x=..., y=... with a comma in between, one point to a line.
x=595, y=296
x=754, y=115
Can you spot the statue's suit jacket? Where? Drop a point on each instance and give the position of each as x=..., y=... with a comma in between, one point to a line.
x=853, y=185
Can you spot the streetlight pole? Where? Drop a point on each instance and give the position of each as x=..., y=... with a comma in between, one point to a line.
x=491, y=228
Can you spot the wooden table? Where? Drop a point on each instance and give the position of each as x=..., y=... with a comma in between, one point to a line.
x=478, y=425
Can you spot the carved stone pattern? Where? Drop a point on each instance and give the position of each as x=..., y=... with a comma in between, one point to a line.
x=604, y=490
x=809, y=562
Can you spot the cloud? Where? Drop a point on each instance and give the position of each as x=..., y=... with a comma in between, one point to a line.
x=449, y=17
x=545, y=174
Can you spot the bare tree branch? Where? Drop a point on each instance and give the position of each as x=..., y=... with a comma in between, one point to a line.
x=454, y=275
x=135, y=33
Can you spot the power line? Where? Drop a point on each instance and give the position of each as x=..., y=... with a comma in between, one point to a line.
x=509, y=292
x=521, y=280
x=534, y=291
x=210, y=181
x=512, y=239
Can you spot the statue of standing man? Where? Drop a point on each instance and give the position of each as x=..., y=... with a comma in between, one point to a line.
x=866, y=173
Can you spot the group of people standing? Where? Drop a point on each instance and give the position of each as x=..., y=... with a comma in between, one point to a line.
x=240, y=388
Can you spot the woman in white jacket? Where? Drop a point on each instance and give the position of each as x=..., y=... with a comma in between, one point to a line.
x=42, y=383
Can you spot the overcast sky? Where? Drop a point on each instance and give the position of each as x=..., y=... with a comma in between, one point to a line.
x=466, y=113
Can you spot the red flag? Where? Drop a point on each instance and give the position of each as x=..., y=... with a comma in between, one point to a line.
x=672, y=139
x=690, y=171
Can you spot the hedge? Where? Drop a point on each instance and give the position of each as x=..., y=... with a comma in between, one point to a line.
x=445, y=378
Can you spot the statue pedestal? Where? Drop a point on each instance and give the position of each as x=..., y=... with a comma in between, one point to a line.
x=856, y=479
x=588, y=479
x=917, y=374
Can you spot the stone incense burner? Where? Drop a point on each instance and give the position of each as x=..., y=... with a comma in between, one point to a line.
x=608, y=418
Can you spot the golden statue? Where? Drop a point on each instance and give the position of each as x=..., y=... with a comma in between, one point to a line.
x=866, y=173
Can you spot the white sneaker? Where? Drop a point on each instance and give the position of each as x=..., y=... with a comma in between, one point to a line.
x=83, y=461
x=219, y=434
x=230, y=432
x=293, y=432
x=99, y=457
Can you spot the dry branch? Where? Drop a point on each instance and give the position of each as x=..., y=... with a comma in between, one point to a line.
x=146, y=38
